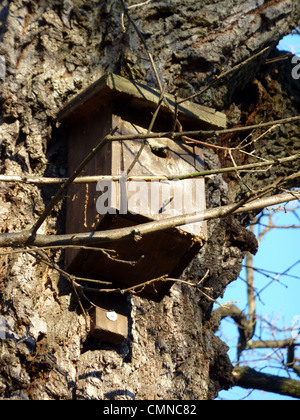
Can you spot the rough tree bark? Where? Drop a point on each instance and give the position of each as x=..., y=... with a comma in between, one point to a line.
x=52, y=50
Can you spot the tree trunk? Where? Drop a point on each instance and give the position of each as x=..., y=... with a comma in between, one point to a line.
x=52, y=50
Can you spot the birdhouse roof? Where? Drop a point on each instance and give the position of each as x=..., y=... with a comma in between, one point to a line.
x=125, y=94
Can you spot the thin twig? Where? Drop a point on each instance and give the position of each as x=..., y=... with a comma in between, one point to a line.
x=133, y=6
x=60, y=194
x=116, y=178
x=143, y=42
x=70, y=277
x=206, y=133
x=161, y=99
x=40, y=255
x=141, y=286
x=224, y=74
x=158, y=81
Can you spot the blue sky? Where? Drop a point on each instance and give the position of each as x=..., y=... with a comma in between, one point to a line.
x=279, y=297
x=278, y=302
x=290, y=43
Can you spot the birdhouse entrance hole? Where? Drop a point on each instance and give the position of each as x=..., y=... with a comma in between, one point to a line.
x=113, y=102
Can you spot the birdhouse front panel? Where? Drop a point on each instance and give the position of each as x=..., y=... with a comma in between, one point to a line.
x=157, y=199
x=109, y=204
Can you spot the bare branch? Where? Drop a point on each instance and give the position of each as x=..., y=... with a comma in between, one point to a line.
x=59, y=195
x=267, y=273
x=71, y=278
x=292, y=362
x=251, y=297
x=21, y=238
x=224, y=74
x=195, y=133
x=143, y=42
x=245, y=328
x=161, y=99
x=268, y=344
x=246, y=377
x=116, y=178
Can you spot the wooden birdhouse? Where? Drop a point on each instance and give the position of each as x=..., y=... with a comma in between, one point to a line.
x=114, y=101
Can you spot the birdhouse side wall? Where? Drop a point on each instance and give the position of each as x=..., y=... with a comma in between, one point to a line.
x=83, y=135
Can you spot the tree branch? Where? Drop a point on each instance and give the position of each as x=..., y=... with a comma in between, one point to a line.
x=137, y=156
x=31, y=179
x=245, y=328
x=213, y=133
x=246, y=377
x=268, y=344
x=16, y=239
x=224, y=74
x=143, y=42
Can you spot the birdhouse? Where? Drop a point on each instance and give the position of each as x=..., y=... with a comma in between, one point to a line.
x=149, y=192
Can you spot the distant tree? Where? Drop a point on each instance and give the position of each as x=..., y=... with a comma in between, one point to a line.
x=265, y=343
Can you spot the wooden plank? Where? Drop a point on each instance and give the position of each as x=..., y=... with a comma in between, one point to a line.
x=114, y=87
x=81, y=206
x=109, y=325
x=149, y=94
x=160, y=157
x=154, y=255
